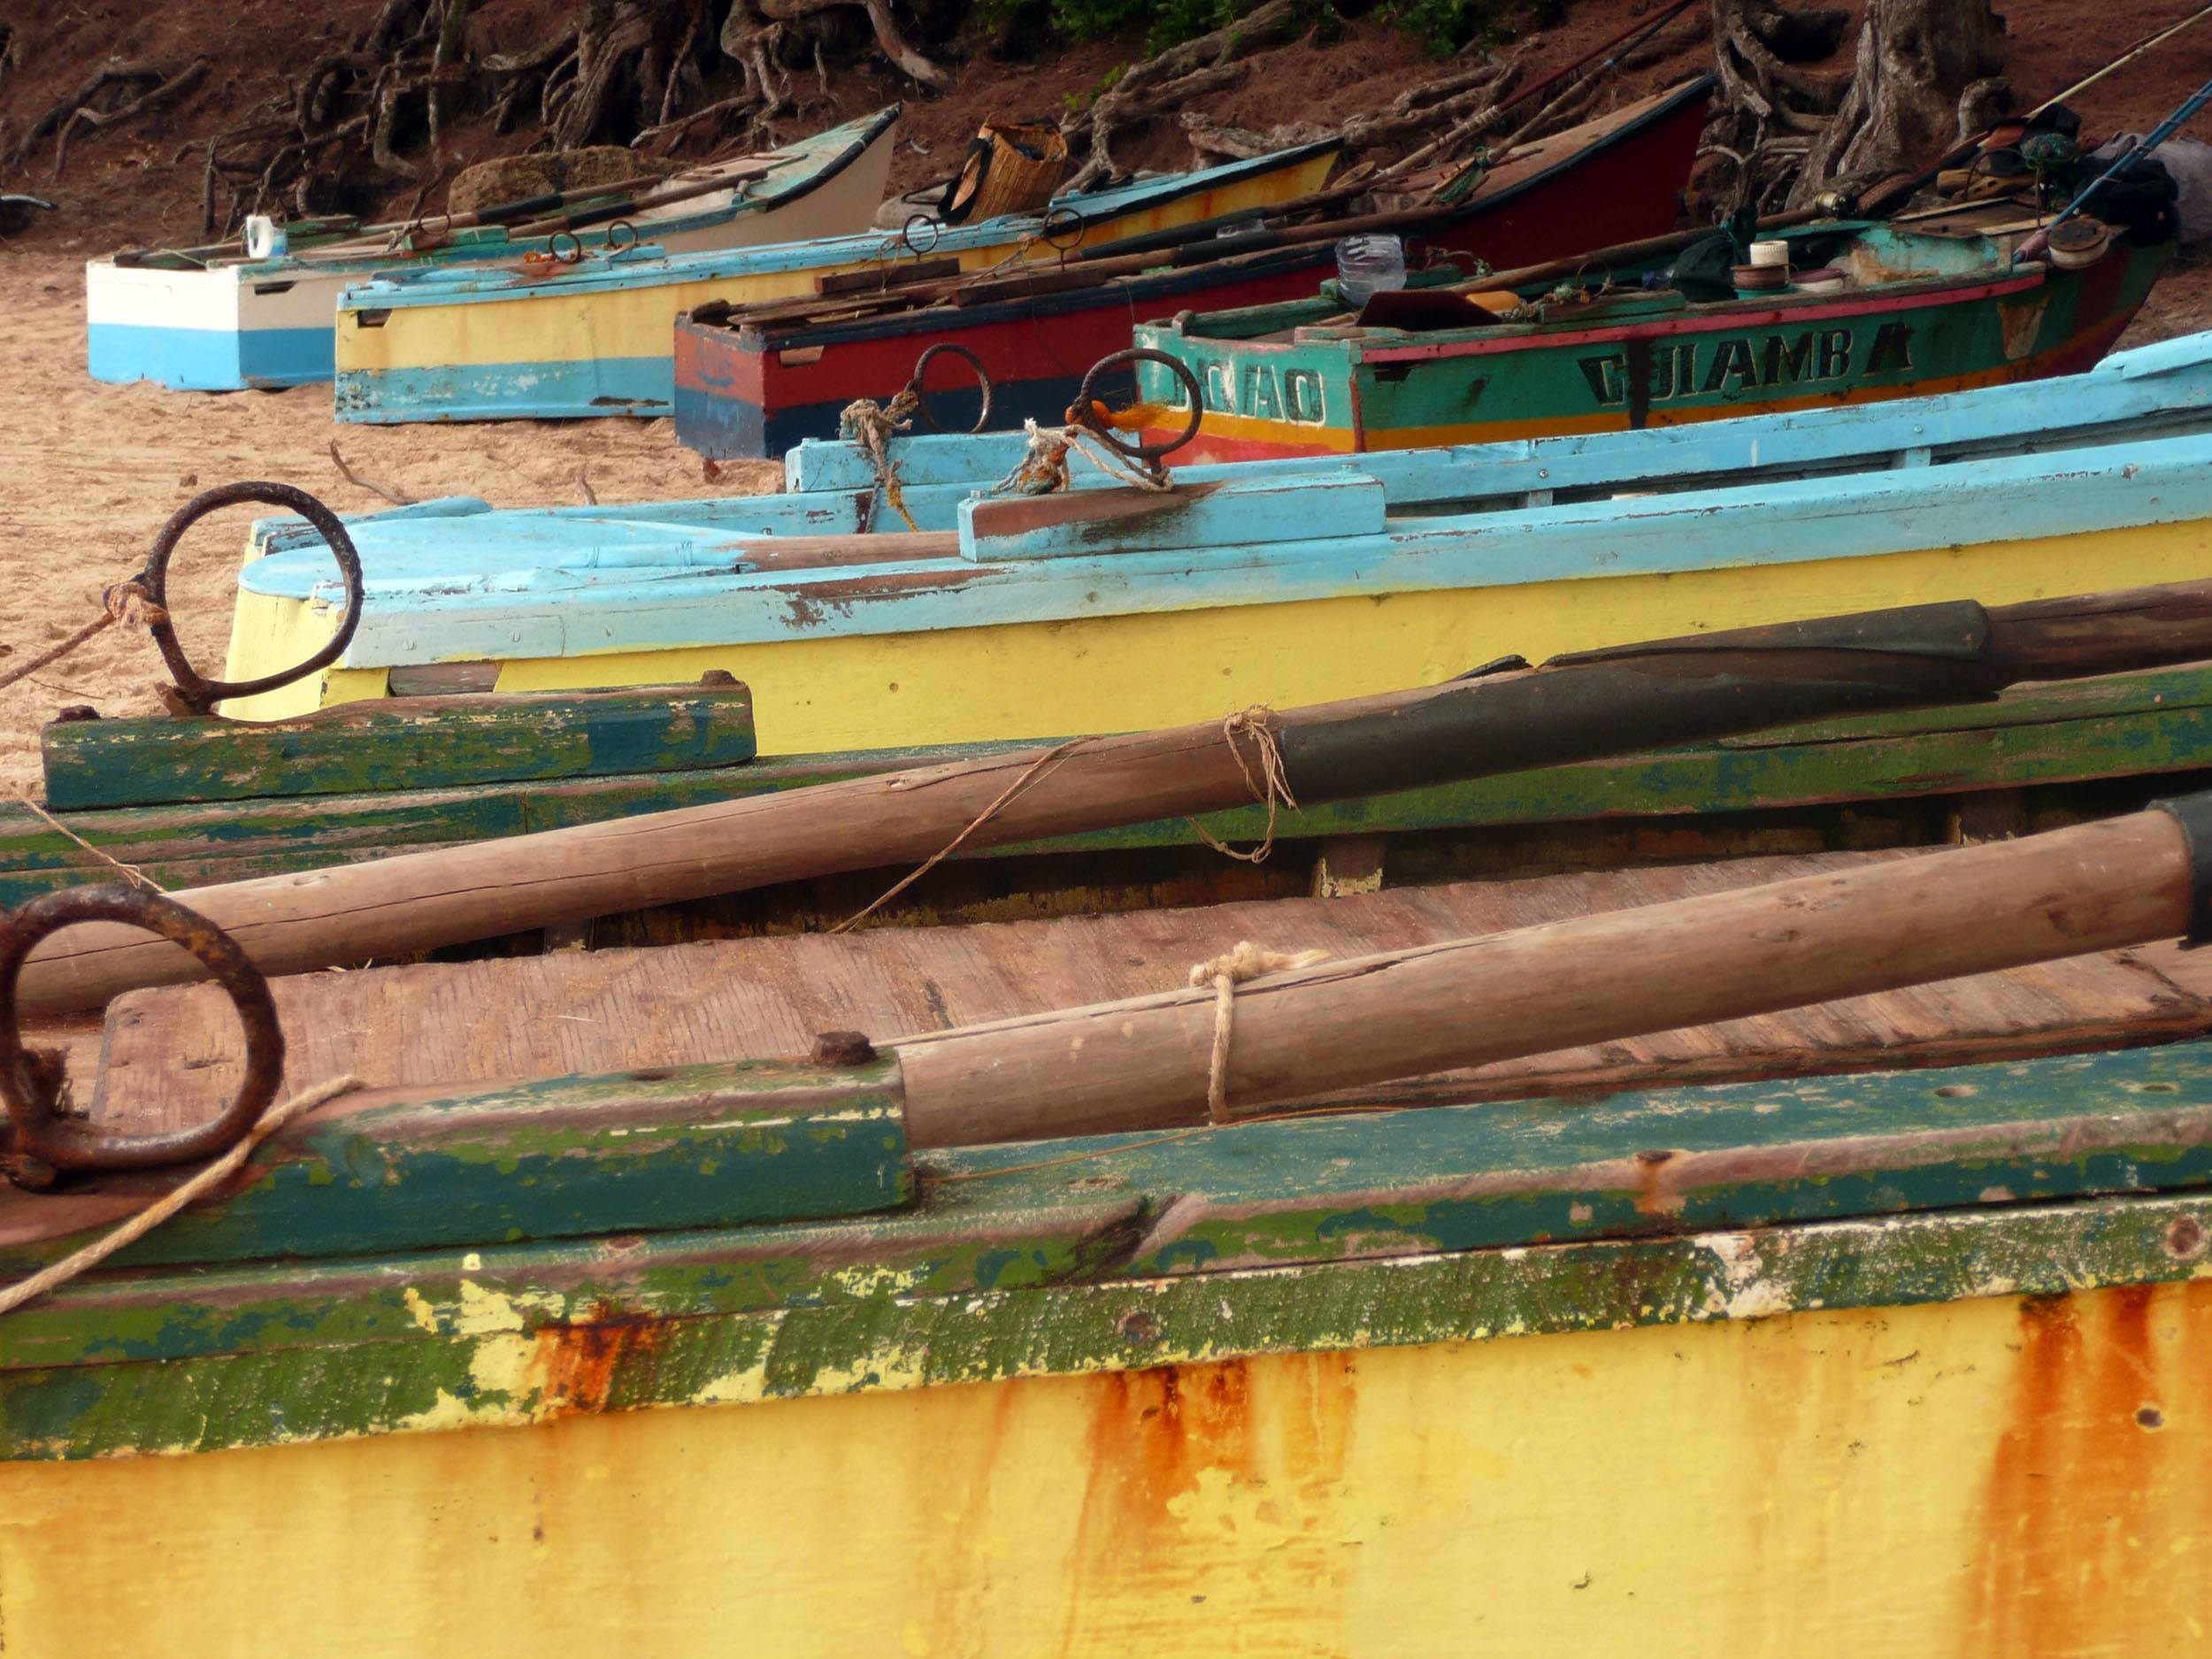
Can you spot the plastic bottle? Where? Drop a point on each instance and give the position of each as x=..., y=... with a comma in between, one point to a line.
x=1369, y=264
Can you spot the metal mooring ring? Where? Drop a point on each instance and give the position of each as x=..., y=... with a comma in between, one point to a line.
x=1082, y=414
x=934, y=226
x=575, y=254
x=619, y=247
x=199, y=692
x=70, y=1145
x=921, y=392
x=1062, y=228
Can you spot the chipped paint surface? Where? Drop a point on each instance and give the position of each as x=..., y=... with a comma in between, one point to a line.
x=2017, y=1475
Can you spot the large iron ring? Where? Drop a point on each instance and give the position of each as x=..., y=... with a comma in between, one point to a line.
x=921, y=392
x=1082, y=414
x=1063, y=228
x=199, y=692
x=936, y=227
x=26, y=1090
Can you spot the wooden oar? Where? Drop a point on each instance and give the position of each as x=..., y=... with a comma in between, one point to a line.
x=1145, y=1063
x=1575, y=707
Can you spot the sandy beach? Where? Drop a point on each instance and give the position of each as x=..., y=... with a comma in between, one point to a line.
x=89, y=472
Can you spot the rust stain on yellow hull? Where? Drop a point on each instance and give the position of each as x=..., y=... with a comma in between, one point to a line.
x=1999, y=1477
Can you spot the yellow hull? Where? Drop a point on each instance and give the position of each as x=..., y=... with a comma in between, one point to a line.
x=2009, y=1477
x=635, y=322
x=1125, y=672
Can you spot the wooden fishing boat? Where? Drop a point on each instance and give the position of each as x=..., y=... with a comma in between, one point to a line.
x=1238, y=587
x=595, y=338
x=755, y=380
x=1905, y=312
x=222, y=320
x=525, y=1330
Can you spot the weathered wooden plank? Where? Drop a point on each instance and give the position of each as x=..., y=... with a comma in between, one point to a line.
x=399, y=743
x=2136, y=725
x=645, y=1150
x=1343, y=503
x=172, y=1053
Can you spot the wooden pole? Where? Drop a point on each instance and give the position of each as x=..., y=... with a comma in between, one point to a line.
x=1594, y=703
x=1143, y=1063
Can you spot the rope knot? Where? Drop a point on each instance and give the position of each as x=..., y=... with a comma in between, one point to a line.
x=1246, y=962
x=128, y=602
x=873, y=425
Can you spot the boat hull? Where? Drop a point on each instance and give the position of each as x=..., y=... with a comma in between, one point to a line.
x=272, y=325
x=740, y=395
x=1268, y=398
x=1726, y=1472
x=578, y=349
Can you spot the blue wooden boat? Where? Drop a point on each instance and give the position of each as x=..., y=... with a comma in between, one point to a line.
x=1283, y=582
x=598, y=338
x=221, y=320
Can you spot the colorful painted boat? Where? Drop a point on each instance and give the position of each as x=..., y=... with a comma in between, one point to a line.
x=1285, y=583
x=521, y=1337
x=595, y=338
x=750, y=386
x=223, y=322
x=1919, y=311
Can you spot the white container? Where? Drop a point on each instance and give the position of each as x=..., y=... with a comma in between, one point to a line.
x=1367, y=265
x=1769, y=253
x=265, y=237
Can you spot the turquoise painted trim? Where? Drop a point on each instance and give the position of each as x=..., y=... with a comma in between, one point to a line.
x=207, y=359
x=582, y=390
x=531, y=584
x=2161, y=390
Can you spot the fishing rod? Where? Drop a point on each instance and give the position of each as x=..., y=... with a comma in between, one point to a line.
x=2159, y=134
x=1873, y=200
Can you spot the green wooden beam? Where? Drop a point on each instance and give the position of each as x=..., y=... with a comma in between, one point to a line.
x=674, y=1147
x=1137, y=1250
x=407, y=743
x=2138, y=725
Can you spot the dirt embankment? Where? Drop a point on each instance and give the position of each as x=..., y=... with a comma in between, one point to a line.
x=88, y=472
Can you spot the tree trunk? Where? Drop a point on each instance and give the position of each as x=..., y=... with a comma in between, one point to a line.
x=1916, y=60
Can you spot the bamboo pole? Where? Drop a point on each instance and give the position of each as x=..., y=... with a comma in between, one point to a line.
x=1575, y=707
x=1143, y=1063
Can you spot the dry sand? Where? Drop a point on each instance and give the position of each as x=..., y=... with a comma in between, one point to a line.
x=89, y=472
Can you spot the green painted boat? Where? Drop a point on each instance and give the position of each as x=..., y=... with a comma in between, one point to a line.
x=1904, y=311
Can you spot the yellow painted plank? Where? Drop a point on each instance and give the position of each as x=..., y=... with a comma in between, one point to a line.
x=1988, y=1477
x=1120, y=674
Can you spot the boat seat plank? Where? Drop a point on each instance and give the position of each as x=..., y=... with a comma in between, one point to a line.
x=169, y=1054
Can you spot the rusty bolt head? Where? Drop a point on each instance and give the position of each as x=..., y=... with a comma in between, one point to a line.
x=2185, y=1238
x=842, y=1047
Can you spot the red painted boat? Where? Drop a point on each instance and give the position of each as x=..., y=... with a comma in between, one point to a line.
x=754, y=383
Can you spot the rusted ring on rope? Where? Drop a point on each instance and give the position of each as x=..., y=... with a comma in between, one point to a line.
x=921, y=392
x=69, y=1144
x=617, y=247
x=936, y=233
x=575, y=254
x=1062, y=228
x=199, y=692
x=1084, y=416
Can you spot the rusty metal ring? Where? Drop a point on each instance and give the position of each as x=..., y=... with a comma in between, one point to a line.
x=921, y=392
x=618, y=247
x=68, y=1145
x=199, y=692
x=1069, y=225
x=1082, y=415
x=936, y=233
x=575, y=254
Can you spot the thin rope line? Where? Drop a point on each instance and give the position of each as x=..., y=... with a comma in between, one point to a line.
x=53, y=823
x=1058, y=752
x=146, y=1219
